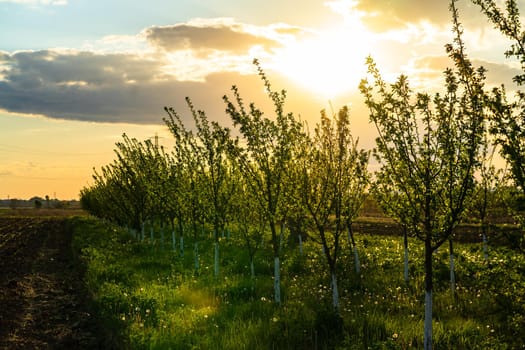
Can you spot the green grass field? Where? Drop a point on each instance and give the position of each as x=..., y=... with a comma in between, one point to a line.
x=150, y=297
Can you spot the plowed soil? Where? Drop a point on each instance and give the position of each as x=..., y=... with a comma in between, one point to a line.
x=43, y=302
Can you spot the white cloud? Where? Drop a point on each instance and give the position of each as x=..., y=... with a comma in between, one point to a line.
x=38, y=2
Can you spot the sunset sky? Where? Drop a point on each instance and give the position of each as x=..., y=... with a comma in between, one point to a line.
x=76, y=74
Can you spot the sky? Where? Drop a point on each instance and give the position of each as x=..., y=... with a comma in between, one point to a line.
x=77, y=74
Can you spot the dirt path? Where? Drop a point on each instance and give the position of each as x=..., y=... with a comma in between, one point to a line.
x=43, y=304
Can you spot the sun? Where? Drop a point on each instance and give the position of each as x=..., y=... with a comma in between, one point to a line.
x=330, y=62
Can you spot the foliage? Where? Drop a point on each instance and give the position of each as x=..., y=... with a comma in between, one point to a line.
x=150, y=297
x=332, y=179
x=130, y=190
x=428, y=150
x=263, y=154
x=508, y=117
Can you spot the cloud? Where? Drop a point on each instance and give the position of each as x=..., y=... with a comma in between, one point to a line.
x=38, y=2
x=204, y=35
x=380, y=15
x=426, y=72
x=159, y=67
x=108, y=87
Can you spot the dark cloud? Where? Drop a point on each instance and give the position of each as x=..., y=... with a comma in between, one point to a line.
x=224, y=37
x=30, y=69
x=95, y=87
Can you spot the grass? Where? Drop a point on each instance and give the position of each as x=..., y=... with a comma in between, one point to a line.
x=151, y=298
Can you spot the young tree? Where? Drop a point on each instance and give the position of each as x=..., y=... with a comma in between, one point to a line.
x=489, y=182
x=508, y=117
x=188, y=180
x=395, y=205
x=264, y=155
x=122, y=187
x=333, y=178
x=249, y=222
x=210, y=147
x=428, y=147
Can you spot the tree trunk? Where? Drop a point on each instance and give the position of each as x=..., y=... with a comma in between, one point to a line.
x=485, y=241
x=216, y=259
x=152, y=236
x=351, y=239
x=277, y=280
x=142, y=230
x=452, y=268
x=335, y=292
x=281, y=236
x=427, y=341
x=276, y=263
x=356, y=261
x=252, y=273
x=300, y=244
x=196, y=256
x=181, y=245
x=173, y=240
x=252, y=268
x=405, y=244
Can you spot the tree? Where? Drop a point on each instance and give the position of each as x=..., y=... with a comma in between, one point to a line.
x=332, y=181
x=508, y=116
x=489, y=183
x=122, y=187
x=264, y=153
x=210, y=148
x=394, y=204
x=428, y=149
x=187, y=184
x=250, y=223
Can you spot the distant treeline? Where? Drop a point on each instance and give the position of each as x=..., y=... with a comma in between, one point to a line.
x=37, y=202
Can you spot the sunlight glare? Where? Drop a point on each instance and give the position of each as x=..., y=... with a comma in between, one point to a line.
x=331, y=62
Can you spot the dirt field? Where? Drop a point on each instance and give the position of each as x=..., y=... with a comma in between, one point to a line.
x=43, y=304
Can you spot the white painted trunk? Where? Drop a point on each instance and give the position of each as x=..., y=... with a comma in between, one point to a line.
x=406, y=265
x=196, y=255
x=485, y=247
x=356, y=261
x=277, y=280
x=281, y=236
x=300, y=244
x=428, y=321
x=452, y=275
x=216, y=260
x=181, y=245
x=173, y=241
x=335, y=292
